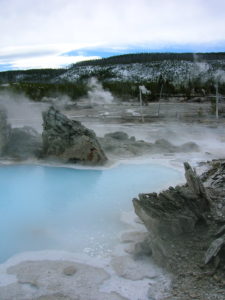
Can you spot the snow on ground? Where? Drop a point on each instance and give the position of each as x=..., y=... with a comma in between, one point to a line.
x=175, y=71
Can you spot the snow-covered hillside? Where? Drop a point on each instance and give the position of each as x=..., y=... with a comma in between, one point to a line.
x=174, y=71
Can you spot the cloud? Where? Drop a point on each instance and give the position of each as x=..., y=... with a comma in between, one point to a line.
x=74, y=24
x=48, y=61
x=41, y=56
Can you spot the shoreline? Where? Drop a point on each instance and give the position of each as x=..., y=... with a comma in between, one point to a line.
x=165, y=288
x=120, y=250
x=115, y=290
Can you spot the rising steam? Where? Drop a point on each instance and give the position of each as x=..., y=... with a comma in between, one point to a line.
x=97, y=95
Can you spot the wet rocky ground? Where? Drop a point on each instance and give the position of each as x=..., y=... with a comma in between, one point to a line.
x=192, y=279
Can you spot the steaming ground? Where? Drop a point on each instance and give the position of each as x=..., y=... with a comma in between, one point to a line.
x=206, y=132
x=106, y=115
x=49, y=274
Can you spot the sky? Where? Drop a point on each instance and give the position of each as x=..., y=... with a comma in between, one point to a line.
x=57, y=33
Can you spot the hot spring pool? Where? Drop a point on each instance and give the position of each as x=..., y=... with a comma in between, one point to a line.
x=70, y=209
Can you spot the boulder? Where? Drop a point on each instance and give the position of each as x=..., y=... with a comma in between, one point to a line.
x=119, y=143
x=118, y=135
x=69, y=141
x=163, y=145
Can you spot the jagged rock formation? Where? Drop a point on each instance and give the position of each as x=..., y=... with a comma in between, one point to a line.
x=119, y=143
x=172, y=212
x=173, y=215
x=69, y=141
x=216, y=250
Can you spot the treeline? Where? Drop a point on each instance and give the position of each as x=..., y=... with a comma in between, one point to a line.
x=193, y=88
x=38, y=91
x=33, y=75
x=151, y=57
x=124, y=90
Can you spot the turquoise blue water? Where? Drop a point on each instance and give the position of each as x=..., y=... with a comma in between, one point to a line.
x=70, y=209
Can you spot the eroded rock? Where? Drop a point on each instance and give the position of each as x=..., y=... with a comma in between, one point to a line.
x=184, y=222
x=172, y=213
x=217, y=246
x=69, y=140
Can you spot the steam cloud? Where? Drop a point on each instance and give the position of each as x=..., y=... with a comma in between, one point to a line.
x=21, y=111
x=207, y=72
x=97, y=95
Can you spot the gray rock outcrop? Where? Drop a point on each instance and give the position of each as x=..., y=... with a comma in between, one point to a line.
x=119, y=143
x=216, y=247
x=174, y=216
x=69, y=141
x=4, y=131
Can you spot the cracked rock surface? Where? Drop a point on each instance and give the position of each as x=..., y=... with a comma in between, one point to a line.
x=187, y=233
x=70, y=141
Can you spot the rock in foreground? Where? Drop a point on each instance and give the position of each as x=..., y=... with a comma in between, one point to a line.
x=187, y=232
x=69, y=141
x=172, y=213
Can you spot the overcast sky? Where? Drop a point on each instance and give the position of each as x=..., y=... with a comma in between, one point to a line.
x=54, y=33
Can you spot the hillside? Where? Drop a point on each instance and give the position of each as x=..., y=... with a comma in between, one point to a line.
x=175, y=67
x=174, y=71
x=33, y=75
x=178, y=73
x=153, y=57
